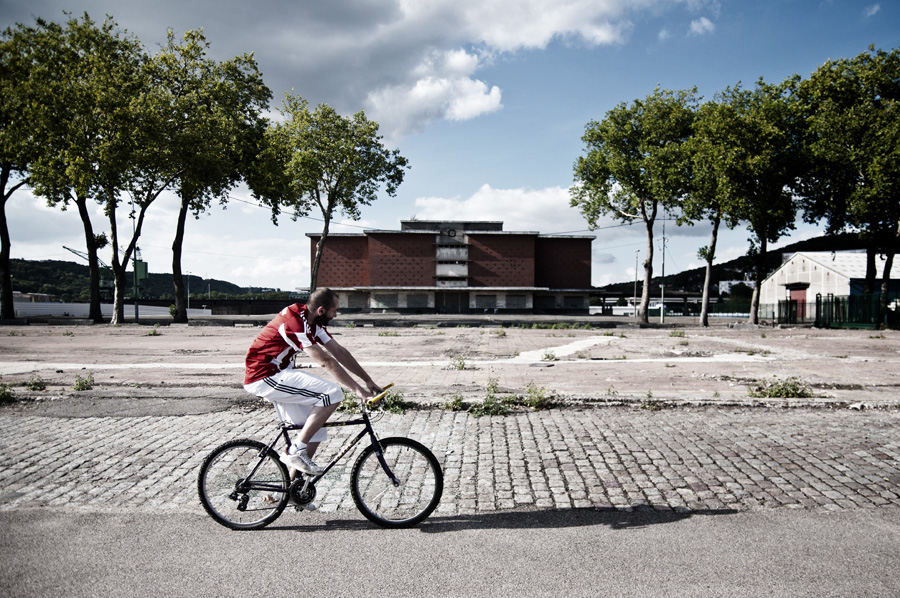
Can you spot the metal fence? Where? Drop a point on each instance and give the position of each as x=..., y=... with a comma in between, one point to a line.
x=847, y=311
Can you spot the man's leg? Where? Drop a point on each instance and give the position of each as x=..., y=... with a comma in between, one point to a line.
x=317, y=418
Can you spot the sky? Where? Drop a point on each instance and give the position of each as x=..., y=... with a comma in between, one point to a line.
x=487, y=99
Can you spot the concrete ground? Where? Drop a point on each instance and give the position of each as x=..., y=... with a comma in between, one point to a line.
x=792, y=496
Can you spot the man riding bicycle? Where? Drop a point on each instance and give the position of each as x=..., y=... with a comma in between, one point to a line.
x=299, y=397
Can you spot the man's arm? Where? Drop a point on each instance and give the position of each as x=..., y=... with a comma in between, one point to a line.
x=335, y=364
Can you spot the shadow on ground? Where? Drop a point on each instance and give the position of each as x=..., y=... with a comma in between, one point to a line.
x=529, y=519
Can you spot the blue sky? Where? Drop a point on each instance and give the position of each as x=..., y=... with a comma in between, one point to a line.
x=487, y=99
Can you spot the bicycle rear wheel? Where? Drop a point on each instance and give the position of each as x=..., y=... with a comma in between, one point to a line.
x=410, y=502
x=236, y=500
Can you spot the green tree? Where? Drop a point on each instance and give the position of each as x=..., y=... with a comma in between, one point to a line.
x=82, y=123
x=321, y=159
x=215, y=126
x=21, y=68
x=852, y=149
x=636, y=162
x=767, y=163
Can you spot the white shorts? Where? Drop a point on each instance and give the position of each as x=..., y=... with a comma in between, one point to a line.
x=294, y=394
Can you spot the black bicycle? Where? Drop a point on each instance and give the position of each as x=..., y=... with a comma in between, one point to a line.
x=395, y=482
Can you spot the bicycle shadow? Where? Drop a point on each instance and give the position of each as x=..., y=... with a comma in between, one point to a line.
x=529, y=519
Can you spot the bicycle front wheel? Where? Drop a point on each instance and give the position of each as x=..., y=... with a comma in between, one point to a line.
x=243, y=485
x=421, y=483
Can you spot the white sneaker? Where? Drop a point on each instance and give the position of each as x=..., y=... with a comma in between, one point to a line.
x=301, y=462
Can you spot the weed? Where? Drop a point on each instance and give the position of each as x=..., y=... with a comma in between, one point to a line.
x=454, y=403
x=683, y=343
x=549, y=356
x=36, y=383
x=6, y=394
x=84, y=383
x=500, y=333
x=14, y=333
x=388, y=334
x=490, y=406
x=395, y=403
x=670, y=365
x=677, y=334
x=612, y=392
x=792, y=388
x=841, y=356
x=350, y=325
x=536, y=397
x=650, y=405
x=607, y=333
x=649, y=394
x=68, y=333
x=154, y=331
x=763, y=335
x=457, y=363
x=879, y=335
x=716, y=395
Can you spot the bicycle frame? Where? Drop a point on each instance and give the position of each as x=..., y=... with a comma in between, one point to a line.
x=364, y=420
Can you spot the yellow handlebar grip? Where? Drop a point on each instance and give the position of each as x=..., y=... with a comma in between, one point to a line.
x=377, y=398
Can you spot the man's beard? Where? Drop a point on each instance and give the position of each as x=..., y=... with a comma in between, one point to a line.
x=321, y=320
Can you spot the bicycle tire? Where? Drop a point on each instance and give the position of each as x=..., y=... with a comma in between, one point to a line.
x=220, y=479
x=421, y=483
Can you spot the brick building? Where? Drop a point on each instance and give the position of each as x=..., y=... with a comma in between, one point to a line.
x=456, y=267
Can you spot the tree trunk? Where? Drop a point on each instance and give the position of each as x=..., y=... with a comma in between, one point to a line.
x=94, y=312
x=885, y=289
x=314, y=272
x=118, y=268
x=7, y=307
x=180, y=314
x=757, y=283
x=648, y=271
x=871, y=270
x=707, y=281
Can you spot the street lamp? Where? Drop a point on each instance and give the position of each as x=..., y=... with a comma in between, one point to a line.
x=189, y=290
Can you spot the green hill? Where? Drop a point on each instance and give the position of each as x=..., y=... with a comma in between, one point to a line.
x=69, y=282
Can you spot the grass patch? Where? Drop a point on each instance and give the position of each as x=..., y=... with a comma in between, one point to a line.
x=677, y=334
x=388, y=334
x=36, y=383
x=454, y=403
x=154, y=331
x=457, y=363
x=792, y=388
x=86, y=383
x=6, y=394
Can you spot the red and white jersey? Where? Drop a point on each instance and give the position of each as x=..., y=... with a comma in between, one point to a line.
x=281, y=339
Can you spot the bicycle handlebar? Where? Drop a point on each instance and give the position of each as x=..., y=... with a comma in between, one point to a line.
x=373, y=402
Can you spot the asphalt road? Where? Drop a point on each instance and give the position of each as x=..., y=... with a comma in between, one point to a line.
x=588, y=552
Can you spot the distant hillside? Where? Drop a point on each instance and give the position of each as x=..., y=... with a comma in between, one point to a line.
x=69, y=281
x=691, y=281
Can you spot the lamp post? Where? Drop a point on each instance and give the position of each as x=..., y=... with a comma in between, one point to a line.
x=188, y=290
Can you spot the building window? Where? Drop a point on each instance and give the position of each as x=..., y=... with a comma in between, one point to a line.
x=387, y=300
x=515, y=302
x=485, y=301
x=417, y=301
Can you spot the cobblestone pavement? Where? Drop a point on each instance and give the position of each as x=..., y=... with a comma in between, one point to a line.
x=693, y=459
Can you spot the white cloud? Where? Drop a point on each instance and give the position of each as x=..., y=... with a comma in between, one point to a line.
x=443, y=89
x=871, y=11
x=542, y=210
x=702, y=26
x=663, y=35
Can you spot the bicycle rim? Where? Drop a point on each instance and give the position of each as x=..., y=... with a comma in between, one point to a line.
x=414, y=499
x=233, y=500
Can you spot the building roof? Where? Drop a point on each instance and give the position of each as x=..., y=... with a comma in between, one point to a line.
x=851, y=264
